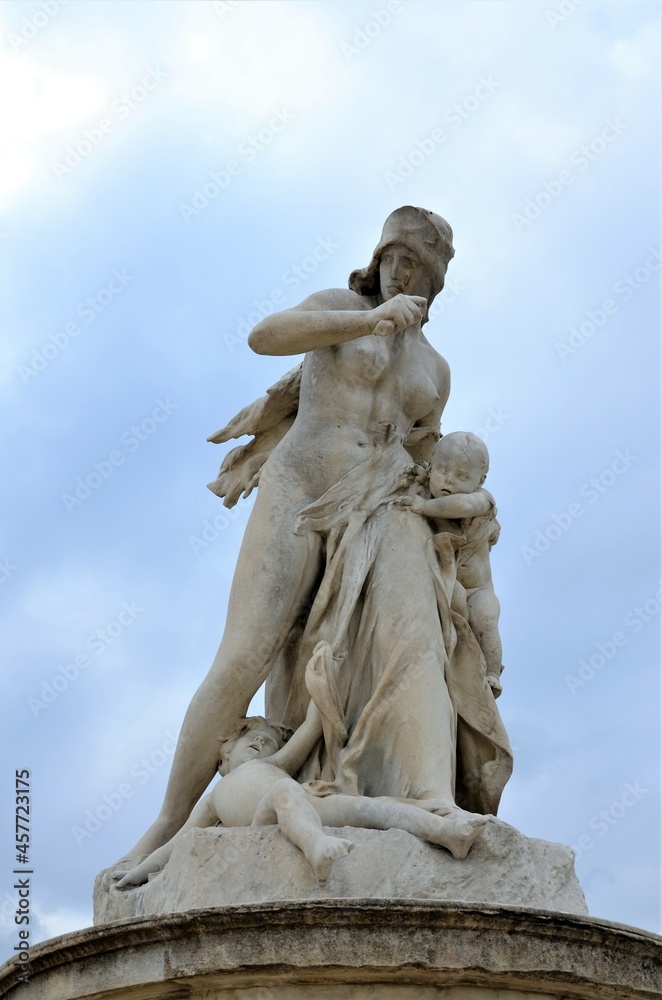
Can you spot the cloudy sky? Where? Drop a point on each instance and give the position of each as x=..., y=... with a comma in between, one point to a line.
x=170, y=172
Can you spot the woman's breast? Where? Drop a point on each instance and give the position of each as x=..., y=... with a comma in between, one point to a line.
x=363, y=361
x=417, y=390
x=401, y=366
x=418, y=394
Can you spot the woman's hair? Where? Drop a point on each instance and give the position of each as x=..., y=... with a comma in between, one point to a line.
x=245, y=726
x=421, y=231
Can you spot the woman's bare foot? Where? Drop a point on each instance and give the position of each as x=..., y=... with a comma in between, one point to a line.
x=158, y=834
x=325, y=851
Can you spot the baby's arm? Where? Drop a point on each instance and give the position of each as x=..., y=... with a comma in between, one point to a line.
x=293, y=755
x=203, y=815
x=454, y=505
x=416, y=504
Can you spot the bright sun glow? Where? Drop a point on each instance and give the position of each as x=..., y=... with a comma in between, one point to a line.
x=42, y=106
x=240, y=63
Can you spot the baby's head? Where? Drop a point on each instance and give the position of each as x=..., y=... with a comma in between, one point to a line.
x=252, y=739
x=459, y=464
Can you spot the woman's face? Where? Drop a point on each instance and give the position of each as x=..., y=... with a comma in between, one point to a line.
x=401, y=271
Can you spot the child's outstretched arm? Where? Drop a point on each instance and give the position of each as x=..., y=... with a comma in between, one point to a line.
x=453, y=506
x=203, y=815
x=293, y=755
x=327, y=719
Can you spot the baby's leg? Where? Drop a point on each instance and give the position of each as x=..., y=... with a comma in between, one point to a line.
x=203, y=815
x=456, y=832
x=288, y=805
x=459, y=600
x=484, y=610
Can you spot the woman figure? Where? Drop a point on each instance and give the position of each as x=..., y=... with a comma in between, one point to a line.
x=325, y=555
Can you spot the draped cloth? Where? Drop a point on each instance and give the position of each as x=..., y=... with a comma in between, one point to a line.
x=384, y=605
x=410, y=677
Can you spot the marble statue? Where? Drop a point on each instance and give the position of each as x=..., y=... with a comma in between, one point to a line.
x=338, y=569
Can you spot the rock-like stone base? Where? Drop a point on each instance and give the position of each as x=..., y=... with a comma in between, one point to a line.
x=353, y=950
x=216, y=867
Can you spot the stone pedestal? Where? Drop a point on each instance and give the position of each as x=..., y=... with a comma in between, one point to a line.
x=351, y=950
x=216, y=867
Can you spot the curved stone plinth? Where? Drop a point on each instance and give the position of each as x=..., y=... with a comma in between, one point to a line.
x=353, y=950
x=217, y=867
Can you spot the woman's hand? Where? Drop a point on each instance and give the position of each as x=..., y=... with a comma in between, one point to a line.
x=399, y=313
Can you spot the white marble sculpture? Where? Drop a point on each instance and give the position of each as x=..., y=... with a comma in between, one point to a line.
x=374, y=627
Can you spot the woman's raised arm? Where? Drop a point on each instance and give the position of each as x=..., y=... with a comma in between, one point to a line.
x=331, y=317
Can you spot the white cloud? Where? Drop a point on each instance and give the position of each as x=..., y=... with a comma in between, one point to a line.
x=637, y=58
x=255, y=58
x=39, y=103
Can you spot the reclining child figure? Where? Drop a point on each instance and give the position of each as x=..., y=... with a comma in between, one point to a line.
x=257, y=789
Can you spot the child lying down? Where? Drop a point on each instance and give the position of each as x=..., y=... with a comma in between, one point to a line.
x=257, y=763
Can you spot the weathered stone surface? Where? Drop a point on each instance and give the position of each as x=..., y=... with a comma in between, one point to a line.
x=353, y=950
x=215, y=867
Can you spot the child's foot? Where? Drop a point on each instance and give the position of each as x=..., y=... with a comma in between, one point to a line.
x=495, y=684
x=458, y=831
x=438, y=806
x=325, y=851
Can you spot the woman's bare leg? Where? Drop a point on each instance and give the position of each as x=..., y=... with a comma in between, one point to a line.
x=275, y=573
